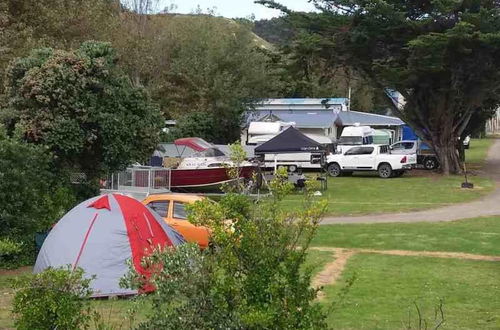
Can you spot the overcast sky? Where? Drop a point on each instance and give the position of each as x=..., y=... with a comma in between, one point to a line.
x=234, y=8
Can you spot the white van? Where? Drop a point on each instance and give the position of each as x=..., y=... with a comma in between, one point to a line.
x=353, y=136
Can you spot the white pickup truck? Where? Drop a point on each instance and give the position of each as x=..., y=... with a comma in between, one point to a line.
x=369, y=158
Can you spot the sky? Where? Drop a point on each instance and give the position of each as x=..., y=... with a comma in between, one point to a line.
x=234, y=8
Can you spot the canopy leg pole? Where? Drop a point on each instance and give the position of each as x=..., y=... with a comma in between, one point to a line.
x=275, y=163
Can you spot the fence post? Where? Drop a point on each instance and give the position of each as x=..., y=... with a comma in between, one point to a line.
x=169, y=179
x=149, y=180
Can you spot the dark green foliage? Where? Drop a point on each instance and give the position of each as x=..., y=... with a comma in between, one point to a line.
x=33, y=199
x=80, y=107
x=25, y=181
x=208, y=126
x=305, y=72
x=215, y=72
x=53, y=299
x=275, y=30
x=252, y=278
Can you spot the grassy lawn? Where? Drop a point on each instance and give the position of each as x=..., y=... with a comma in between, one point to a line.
x=479, y=236
x=477, y=152
x=369, y=194
x=387, y=286
x=366, y=193
x=316, y=260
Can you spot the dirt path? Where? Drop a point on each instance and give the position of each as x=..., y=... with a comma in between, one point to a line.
x=486, y=206
x=333, y=270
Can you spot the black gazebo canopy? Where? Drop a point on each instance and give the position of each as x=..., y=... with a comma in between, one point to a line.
x=290, y=140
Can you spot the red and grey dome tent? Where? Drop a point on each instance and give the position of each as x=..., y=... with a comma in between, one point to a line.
x=100, y=235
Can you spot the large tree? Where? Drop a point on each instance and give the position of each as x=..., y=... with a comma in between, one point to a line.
x=60, y=24
x=443, y=56
x=82, y=108
x=199, y=64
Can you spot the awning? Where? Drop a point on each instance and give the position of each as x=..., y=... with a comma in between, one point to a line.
x=289, y=141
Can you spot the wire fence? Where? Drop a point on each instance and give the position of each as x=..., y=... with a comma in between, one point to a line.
x=143, y=180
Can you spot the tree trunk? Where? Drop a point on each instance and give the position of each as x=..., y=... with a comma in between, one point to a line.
x=447, y=153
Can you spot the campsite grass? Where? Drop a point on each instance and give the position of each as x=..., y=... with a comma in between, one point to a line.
x=477, y=152
x=363, y=194
x=387, y=287
x=316, y=260
x=478, y=236
x=366, y=193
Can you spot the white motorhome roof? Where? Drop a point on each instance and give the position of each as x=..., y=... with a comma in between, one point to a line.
x=260, y=138
x=266, y=137
x=267, y=127
x=263, y=127
x=357, y=131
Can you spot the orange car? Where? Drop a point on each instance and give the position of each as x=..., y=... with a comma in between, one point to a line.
x=172, y=208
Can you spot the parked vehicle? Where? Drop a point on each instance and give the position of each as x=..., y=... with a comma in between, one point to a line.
x=383, y=136
x=466, y=142
x=172, y=208
x=369, y=158
x=354, y=136
x=425, y=156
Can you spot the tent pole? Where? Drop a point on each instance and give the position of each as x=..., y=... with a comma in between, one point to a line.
x=275, y=163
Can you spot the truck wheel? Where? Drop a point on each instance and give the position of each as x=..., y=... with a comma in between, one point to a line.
x=430, y=163
x=334, y=169
x=385, y=171
x=292, y=168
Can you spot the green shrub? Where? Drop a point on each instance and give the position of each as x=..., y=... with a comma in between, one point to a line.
x=32, y=198
x=253, y=277
x=53, y=299
x=9, y=250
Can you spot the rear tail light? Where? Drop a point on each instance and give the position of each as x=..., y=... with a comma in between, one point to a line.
x=403, y=160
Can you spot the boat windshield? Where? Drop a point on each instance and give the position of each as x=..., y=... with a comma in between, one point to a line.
x=210, y=152
x=350, y=140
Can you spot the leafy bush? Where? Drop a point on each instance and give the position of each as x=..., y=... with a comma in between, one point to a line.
x=254, y=276
x=83, y=109
x=9, y=250
x=32, y=197
x=53, y=299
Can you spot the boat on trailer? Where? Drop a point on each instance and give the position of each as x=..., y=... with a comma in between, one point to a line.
x=206, y=169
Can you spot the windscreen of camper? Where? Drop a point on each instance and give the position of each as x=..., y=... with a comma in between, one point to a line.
x=350, y=140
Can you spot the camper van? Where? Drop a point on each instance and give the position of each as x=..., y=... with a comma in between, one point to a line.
x=353, y=136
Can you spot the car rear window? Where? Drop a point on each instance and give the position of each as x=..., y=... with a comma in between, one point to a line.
x=160, y=207
x=366, y=150
x=360, y=151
